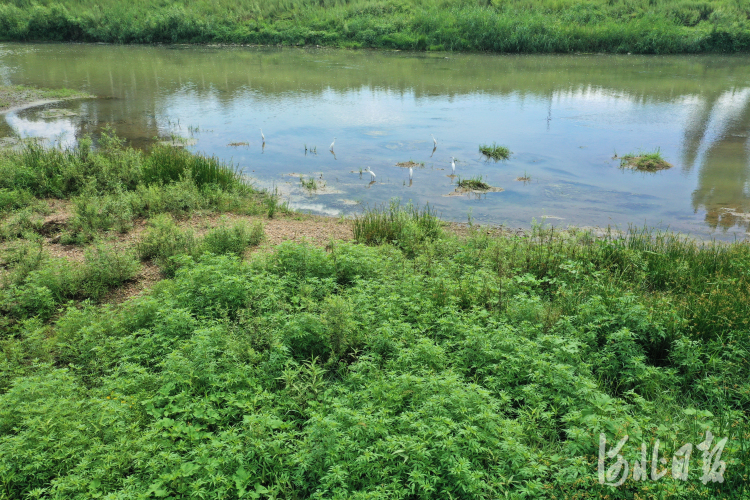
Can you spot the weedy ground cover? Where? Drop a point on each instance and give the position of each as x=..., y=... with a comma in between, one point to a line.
x=619, y=26
x=410, y=364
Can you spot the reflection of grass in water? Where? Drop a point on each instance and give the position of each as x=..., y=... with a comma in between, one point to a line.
x=524, y=178
x=648, y=162
x=473, y=183
x=495, y=152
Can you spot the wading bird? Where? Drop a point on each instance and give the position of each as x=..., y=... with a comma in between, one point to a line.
x=334, y=142
x=411, y=172
x=372, y=174
x=453, y=165
x=434, y=141
x=262, y=136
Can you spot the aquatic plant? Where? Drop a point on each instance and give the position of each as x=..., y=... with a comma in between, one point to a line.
x=473, y=183
x=648, y=162
x=308, y=184
x=494, y=151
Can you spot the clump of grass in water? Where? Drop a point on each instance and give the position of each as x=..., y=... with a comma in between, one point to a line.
x=647, y=162
x=524, y=178
x=473, y=183
x=495, y=152
x=308, y=184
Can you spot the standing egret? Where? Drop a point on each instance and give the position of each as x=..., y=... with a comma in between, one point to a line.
x=372, y=174
x=262, y=136
x=453, y=165
x=334, y=142
x=434, y=141
x=411, y=172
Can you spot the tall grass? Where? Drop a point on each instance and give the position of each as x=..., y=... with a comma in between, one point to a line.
x=406, y=226
x=168, y=164
x=621, y=26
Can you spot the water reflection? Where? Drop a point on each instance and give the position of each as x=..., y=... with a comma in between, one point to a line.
x=563, y=117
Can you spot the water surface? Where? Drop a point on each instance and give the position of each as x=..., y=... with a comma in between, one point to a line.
x=563, y=117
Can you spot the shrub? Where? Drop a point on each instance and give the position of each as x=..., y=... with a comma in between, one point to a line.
x=163, y=240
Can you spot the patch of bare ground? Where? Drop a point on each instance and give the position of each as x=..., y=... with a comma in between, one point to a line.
x=316, y=230
x=143, y=281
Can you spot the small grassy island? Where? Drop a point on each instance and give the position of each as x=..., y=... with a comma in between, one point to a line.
x=548, y=26
x=495, y=152
x=645, y=162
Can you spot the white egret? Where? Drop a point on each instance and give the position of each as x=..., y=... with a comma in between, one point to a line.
x=334, y=142
x=453, y=165
x=262, y=136
x=411, y=172
x=372, y=174
x=434, y=141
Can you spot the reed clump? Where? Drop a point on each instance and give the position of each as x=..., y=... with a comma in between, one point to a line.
x=475, y=183
x=495, y=151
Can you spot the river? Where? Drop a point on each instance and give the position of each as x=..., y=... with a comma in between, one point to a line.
x=564, y=117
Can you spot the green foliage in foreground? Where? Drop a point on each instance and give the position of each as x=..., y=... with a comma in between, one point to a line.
x=637, y=26
x=465, y=369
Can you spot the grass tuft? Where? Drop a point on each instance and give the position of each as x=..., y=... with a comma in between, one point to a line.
x=474, y=183
x=495, y=152
x=645, y=162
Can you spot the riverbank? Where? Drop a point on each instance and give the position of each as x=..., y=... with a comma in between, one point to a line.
x=172, y=330
x=20, y=96
x=542, y=26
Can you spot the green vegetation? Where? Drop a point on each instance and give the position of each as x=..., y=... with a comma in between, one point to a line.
x=474, y=183
x=412, y=363
x=17, y=95
x=621, y=26
x=308, y=184
x=407, y=227
x=110, y=188
x=495, y=152
x=420, y=365
x=648, y=162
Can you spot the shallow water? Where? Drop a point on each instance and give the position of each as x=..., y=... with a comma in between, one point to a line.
x=563, y=117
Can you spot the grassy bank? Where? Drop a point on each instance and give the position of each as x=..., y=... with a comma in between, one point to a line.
x=20, y=95
x=620, y=26
x=408, y=363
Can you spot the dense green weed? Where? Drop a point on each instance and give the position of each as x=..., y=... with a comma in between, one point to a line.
x=418, y=365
